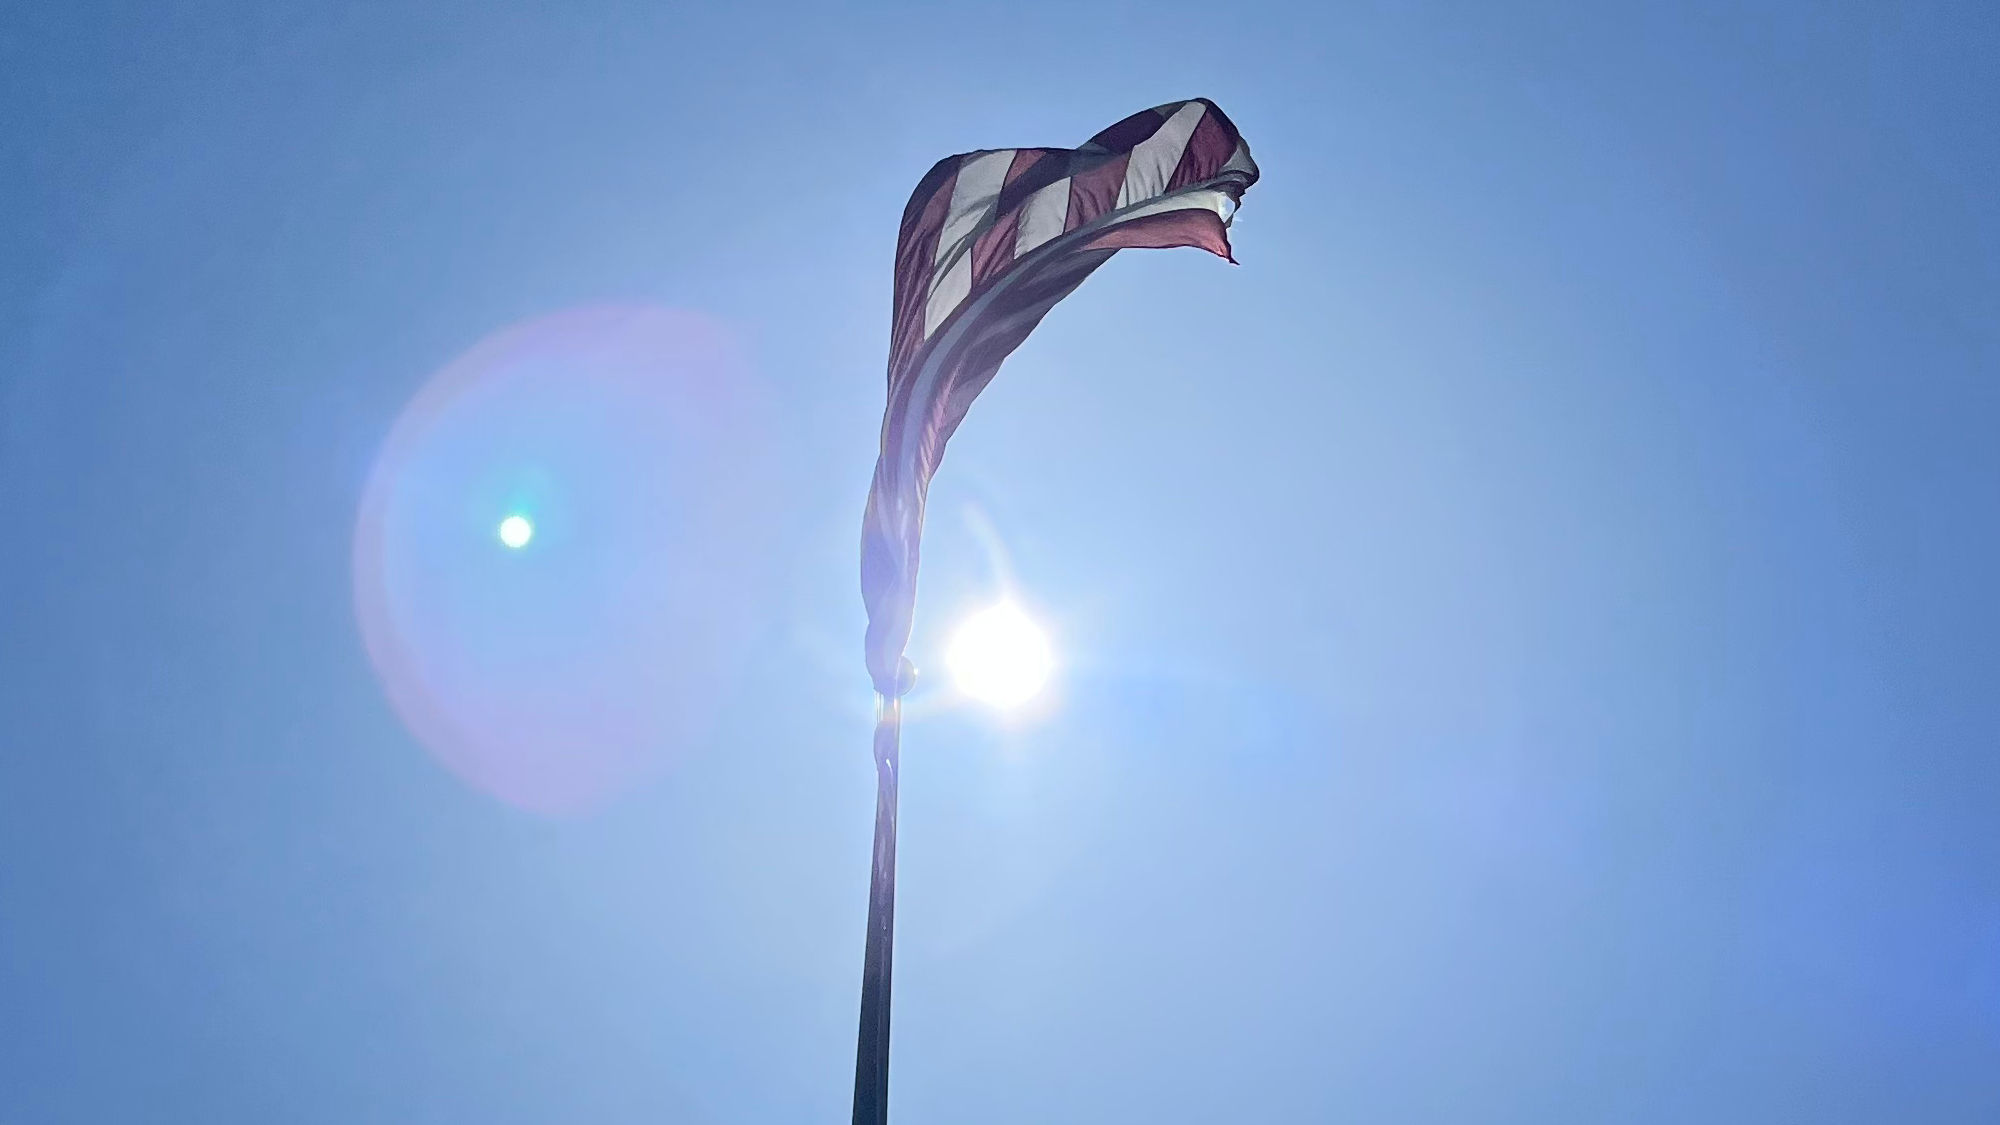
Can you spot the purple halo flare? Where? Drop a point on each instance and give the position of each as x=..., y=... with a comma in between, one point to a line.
x=560, y=551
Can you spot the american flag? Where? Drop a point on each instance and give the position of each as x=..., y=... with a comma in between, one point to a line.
x=990, y=241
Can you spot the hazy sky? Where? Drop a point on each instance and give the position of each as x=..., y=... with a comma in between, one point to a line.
x=1528, y=635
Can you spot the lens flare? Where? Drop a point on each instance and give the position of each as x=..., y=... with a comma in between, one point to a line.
x=559, y=675
x=1000, y=656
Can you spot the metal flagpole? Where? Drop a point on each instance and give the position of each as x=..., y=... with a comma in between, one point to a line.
x=871, y=1055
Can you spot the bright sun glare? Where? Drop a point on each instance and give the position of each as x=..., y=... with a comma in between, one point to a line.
x=515, y=531
x=1000, y=657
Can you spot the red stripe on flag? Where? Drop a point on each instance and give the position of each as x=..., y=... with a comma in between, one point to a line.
x=993, y=251
x=1193, y=226
x=1208, y=149
x=1095, y=193
x=1024, y=159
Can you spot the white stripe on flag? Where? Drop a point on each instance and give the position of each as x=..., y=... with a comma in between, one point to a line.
x=980, y=177
x=1042, y=216
x=948, y=292
x=1186, y=199
x=1154, y=159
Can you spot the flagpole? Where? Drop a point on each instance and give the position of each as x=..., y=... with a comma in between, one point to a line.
x=871, y=1056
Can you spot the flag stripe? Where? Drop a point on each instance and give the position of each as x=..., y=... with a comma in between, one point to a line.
x=1094, y=191
x=1052, y=164
x=1240, y=161
x=993, y=252
x=1024, y=159
x=914, y=255
x=980, y=176
x=1184, y=226
x=1154, y=159
x=1045, y=216
x=1207, y=149
x=936, y=181
x=949, y=291
x=1127, y=134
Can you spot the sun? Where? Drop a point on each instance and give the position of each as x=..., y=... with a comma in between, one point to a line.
x=999, y=656
x=515, y=531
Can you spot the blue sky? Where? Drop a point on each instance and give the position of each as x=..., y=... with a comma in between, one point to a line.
x=1528, y=638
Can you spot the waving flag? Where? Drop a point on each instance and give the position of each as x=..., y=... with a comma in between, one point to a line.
x=990, y=241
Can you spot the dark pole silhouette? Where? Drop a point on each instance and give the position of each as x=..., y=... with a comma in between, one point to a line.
x=871, y=1055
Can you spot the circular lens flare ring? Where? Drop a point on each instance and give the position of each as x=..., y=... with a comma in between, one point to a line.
x=1000, y=657
x=635, y=435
